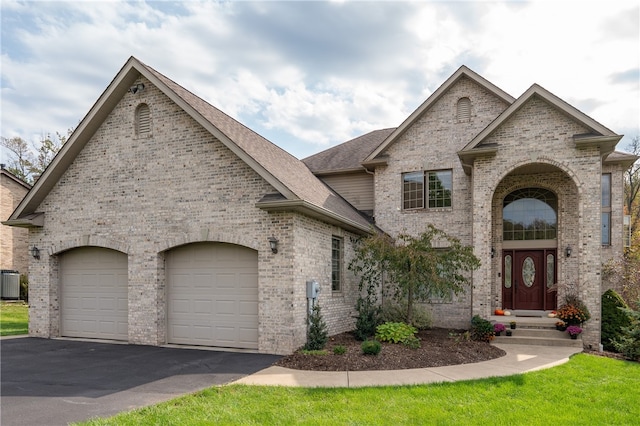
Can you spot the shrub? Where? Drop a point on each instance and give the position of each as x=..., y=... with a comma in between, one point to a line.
x=394, y=312
x=367, y=319
x=614, y=319
x=339, y=350
x=573, y=311
x=481, y=329
x=317, y=335
x=371, y=347
x=24, y=287
x=395, y=332
x=629, y=342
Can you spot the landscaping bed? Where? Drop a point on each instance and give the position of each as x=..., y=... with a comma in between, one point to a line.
x=438, y=347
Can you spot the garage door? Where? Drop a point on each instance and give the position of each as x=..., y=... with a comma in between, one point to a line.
x=212, y=295
x=94, y=295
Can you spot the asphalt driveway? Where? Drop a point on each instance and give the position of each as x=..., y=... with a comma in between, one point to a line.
x=54, y=382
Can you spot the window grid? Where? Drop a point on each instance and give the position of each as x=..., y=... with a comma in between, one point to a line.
x=439, y=184
x=530, y=214
x=336, y=263
x=606, y=209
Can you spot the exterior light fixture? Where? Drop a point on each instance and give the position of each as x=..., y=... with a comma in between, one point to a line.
x=35, y=252
x=273, y=243
x=568, y=251
x=493, y=252
x=137, y=88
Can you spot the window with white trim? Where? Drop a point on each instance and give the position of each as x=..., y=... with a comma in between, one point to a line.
x=606, y=209
x=337, y=261
x=435, y=187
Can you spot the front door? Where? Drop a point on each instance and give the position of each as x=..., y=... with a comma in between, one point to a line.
x=528, y=280
x=526, y=276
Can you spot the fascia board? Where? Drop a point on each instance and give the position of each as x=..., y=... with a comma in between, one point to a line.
x=312, y=210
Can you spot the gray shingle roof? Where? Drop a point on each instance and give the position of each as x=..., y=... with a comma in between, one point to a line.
x=276, y=162
x=348, y=155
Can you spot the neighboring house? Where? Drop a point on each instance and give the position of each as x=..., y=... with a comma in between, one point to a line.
x=155, y=220
x=14, y=248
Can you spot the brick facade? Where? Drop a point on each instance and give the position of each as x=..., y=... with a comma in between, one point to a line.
x=14, y=249
x=143, y=195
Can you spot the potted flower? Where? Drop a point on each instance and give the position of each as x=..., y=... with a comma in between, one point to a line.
x=512, y=324
x=509, y=332
x=561, y=326
x=573, y=331
x=498, y=328
x=573, y=312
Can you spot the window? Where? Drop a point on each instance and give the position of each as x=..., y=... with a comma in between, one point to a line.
x=606, y=209
x=439, y=184
x=336, y=263
x=143, y=120
x=626, y=230
x=464, y=109
x=529, y=214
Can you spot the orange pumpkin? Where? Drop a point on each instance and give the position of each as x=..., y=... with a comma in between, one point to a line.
x=499, y=312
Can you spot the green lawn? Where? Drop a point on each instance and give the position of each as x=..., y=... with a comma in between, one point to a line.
x=14, y=318
x=586, y=390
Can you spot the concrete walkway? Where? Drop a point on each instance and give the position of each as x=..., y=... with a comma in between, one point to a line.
x=519, y=359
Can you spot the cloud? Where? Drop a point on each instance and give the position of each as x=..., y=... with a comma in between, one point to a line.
x=313, y=74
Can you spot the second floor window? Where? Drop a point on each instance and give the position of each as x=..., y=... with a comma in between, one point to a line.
x=430, y=189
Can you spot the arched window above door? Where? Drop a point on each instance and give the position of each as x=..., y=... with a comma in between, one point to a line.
x=530, y=214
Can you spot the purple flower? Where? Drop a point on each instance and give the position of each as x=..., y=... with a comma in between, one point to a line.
x=574, y=330
x=497, y=327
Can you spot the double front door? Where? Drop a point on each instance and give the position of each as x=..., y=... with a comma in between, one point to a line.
x=528, y=279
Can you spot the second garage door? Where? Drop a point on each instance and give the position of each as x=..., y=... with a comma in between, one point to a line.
x=212, y=295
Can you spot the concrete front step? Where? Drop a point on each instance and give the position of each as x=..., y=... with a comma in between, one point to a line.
x=515, y=339
x=532, y=330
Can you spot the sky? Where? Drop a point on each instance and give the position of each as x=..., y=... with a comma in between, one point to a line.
x=310, y=75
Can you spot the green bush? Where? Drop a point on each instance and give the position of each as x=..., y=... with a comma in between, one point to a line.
x=394, y=312
x=395, y=332
x=481, y=329
x=371, y=347
x=614, y=319
x=24, y=287
x=629, y=342
x=320, y=352
x=339, y=350
x=317, y=335
x=367, y=319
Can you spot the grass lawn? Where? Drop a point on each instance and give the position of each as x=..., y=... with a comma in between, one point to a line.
x=586, y=390
x=14, y=318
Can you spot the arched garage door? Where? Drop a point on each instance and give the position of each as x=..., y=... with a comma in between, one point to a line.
x=212, y=295
x=94, y=296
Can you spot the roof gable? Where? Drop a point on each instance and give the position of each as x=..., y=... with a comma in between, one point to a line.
x=598, y=135
x=463, y=71
x=288, y=175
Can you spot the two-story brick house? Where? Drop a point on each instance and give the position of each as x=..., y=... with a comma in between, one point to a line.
x=163, y=220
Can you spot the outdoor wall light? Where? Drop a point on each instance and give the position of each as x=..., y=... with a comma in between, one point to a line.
x=568, y=251
x=35, y=252
x=137, y=88
x=493, y=252
x=273, y=243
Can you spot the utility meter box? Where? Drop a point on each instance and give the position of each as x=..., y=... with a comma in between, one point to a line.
x=313, y=288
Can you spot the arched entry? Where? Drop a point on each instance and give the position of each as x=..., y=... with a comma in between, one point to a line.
x=529, y=255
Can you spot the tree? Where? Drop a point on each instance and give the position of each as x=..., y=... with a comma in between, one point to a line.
x=28, y=163
x=22, y=157
x=632, y=189
x=431, y=265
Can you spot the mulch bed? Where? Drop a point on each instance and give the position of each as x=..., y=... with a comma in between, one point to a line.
x=439, y=347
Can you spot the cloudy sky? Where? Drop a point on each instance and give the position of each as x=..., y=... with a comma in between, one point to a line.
x=309, y=75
